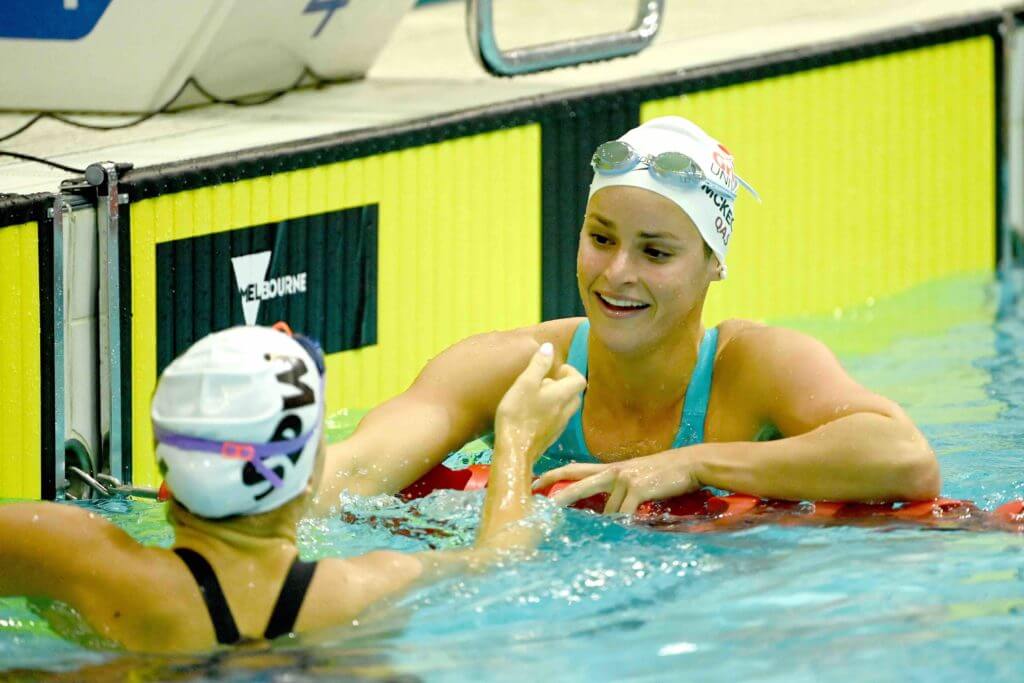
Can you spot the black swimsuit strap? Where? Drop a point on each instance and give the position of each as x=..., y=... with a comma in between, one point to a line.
x=289, y=602
x=209, y=587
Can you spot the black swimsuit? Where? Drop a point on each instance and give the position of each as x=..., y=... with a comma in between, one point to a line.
x=286, y=609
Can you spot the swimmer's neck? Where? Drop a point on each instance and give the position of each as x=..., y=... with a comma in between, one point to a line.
x=648, y=380
x=239, y=536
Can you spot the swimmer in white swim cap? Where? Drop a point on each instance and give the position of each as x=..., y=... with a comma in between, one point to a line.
x=670, y=406
x=238, y=420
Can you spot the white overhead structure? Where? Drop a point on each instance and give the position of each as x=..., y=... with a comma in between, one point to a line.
x=136, y=55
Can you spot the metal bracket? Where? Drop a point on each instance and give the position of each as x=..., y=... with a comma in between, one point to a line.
x=106, y=486
x=104, y=177
x=531, y=59
x=61, y=209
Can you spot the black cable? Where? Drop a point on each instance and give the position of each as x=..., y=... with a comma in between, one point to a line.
x=211, y=98
x=29, y=157
x=270, y=97
x=19, y=131
x=117, y=126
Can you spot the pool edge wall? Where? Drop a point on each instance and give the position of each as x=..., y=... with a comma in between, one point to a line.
x=26, y=348
x=877, y=160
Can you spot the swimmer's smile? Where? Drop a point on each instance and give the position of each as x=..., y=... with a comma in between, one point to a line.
x=619, y=306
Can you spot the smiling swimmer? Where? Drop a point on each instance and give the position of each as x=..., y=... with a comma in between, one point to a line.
x=238, y=420
x=670, y=406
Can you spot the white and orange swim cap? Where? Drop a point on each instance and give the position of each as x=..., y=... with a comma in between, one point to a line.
x=238, y=419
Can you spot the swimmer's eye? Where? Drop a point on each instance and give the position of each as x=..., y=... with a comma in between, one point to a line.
x=657, y=254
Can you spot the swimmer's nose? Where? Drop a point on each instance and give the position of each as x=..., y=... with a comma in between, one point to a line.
x=620, y=269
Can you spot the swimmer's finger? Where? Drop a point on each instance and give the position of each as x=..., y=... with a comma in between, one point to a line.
x=539, y=365
x=566, y=370
x=562, y=388
x=631, y=502
x=570, y=409
x=617, y=495
x=573, y=472
x=570, y=374
x=601, y=482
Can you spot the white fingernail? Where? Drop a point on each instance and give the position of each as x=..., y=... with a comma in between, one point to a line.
x=547, y=349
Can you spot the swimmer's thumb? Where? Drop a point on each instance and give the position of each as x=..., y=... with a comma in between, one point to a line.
x=540, y=364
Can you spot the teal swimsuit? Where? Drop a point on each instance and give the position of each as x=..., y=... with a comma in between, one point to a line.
x=572, y=447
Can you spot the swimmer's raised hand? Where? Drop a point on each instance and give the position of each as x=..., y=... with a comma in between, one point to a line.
x=536, y=408
x=531, y=415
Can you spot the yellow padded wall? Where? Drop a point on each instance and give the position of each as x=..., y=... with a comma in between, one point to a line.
x=875, y=175
x=458, y=254
x=20, y=440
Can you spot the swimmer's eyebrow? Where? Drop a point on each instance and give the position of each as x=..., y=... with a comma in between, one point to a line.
x=609, y=223
x=659, y=236
x=600, y=219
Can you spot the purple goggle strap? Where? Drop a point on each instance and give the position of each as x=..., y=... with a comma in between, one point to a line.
x=254, y=453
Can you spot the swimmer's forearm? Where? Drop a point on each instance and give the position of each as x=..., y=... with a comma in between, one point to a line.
x=508, y=503
x=509, y=498
x=394, y=445
x=865, y=457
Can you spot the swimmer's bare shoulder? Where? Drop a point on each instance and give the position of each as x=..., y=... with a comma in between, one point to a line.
x=345, y=589
x=127, y=592
x=769, y=375
x=449, y=404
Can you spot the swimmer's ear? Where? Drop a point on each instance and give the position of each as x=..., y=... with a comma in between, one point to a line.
x=718, y=270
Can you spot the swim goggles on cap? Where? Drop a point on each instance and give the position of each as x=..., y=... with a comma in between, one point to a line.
x=255, y=453
x=674, y=168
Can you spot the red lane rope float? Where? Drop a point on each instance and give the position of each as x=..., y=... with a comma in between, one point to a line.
x=738, y=508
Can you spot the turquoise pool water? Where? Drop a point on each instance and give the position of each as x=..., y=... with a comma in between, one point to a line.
x=609, y=601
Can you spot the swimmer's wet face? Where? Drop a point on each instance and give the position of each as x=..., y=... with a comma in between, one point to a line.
x=642, y=268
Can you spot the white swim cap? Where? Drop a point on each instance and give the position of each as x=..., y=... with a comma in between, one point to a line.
x=708, y=204
x=237, y=420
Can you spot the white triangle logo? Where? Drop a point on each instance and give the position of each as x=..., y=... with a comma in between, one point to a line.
x=250, y=271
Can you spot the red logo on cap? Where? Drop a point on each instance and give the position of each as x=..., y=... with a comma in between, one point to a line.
x=237, y=451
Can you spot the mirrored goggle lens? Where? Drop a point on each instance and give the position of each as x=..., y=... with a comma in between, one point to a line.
x=677, y=165
x=614, y=156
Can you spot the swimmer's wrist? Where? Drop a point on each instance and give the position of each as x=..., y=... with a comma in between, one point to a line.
x=518, y=445
x=695, y=462
x=517, y=439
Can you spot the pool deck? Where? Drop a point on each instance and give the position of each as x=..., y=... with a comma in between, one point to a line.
x=427, y=69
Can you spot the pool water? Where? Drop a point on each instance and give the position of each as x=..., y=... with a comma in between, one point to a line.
x=605, y=600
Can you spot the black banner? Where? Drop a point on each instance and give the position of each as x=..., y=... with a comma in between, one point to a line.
x=317, y=273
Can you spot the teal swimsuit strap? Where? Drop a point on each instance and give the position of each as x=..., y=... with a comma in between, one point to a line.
x=572, y=440
x=695, y=408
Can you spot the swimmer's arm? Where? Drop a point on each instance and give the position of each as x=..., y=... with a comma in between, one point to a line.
x=530, y=416
x=451, y=402
x=505, y=533
x=842, y=442
x=56, y=551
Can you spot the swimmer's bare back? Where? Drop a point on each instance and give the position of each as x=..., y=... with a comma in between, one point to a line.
x=147, y=599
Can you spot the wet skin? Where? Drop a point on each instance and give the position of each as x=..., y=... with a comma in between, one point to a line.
x=643, y=275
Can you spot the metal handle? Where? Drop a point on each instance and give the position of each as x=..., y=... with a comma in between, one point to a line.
x=524, y=60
